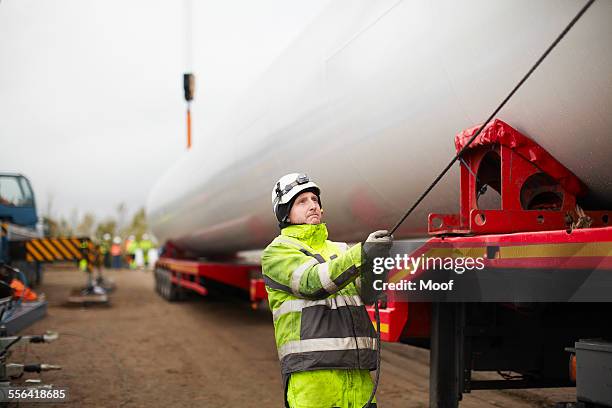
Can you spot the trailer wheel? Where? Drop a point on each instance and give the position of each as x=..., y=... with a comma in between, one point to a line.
x=157, y=275
x=172, y=291
x=160, y=282
x=165, y=287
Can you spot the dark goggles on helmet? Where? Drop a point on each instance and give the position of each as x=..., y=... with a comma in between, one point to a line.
x=301, y=179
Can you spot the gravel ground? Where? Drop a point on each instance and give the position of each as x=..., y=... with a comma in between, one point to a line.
x=142, y=351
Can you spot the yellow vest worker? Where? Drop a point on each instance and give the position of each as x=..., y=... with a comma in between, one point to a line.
x=325, y=339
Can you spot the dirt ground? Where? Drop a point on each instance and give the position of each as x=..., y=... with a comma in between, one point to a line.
x=142, y=351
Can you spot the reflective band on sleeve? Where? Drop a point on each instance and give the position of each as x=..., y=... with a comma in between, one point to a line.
x=319, y=258
x=296, y=276
x=272, y=284
x=297, y=305
x=325, y=278
x=346, y=275
x=341, y=343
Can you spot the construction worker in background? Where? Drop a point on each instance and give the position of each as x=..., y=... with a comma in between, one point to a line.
x=152, y=257
x=90, y=258
x=139, y=260
x=326, y=342
x=84, y=264
x=115, y=252
x=105, y=250
x=146, y=245
x=130, y=246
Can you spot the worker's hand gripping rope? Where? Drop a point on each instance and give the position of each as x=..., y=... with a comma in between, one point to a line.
x=377, y=245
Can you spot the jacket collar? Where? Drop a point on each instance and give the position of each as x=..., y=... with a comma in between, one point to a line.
x=313, y=235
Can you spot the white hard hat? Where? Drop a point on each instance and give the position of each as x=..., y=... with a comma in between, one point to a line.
x=289, y=186
x=117, y=240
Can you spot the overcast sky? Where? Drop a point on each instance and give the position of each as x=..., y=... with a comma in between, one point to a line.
x=91, y=103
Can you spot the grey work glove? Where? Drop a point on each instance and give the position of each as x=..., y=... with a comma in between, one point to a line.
x=378, y=244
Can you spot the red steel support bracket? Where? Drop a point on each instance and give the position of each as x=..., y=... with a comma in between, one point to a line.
x=537, y=193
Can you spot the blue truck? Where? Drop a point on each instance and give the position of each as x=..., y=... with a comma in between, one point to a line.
x=19, y=221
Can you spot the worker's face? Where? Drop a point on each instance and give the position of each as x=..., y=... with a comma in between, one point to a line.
x=306, y=209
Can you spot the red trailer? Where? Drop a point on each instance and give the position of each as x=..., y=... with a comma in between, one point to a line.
x=534, y=222
x=535, y=225
x=175, y=275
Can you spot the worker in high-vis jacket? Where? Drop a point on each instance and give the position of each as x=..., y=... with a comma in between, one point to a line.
x=326, y=342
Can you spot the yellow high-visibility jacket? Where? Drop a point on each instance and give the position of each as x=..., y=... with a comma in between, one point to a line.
x=324, y=335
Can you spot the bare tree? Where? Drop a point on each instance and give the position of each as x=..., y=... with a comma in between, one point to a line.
x=108, y=226
x=86, y=226
x=121, y=214
x=74, y=218
x=49, y=211
x=64, y=229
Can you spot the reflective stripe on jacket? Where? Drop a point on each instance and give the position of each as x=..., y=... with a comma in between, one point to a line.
x=320, y=321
